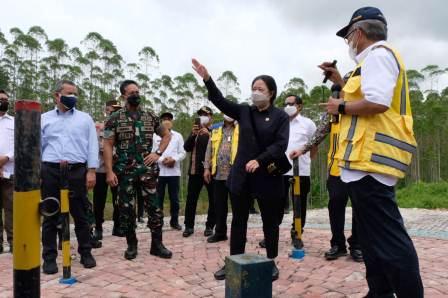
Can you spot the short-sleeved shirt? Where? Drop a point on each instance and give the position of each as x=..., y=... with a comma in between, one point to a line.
x=301, y=129
x=133, y=135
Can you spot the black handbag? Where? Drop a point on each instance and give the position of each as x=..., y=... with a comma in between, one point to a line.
x=276, y=166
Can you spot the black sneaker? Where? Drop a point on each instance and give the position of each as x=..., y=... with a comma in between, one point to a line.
x=356, y=255
x=220, y=274
x=208, y=232
x=335, y=252
x=50, y=267
x=176, y=226
x=275, y=272
x=88, y=261
x=216, y=238
x=95, y=243
x=188, y=232
x=98, y=234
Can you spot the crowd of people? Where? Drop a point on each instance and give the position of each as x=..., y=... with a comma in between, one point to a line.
x=138, y=154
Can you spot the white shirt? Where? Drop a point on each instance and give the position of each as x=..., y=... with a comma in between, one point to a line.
x=379, y=77
x=175, y=150
x=301, y=129
x=7, y=143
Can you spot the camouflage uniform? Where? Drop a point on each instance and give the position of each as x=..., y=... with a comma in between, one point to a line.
x=133, y=136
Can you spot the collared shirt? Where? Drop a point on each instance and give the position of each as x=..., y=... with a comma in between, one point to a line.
x=301, y=129
x=175, y=150
x=7, y=143
x=379, y=77
x=69, y=136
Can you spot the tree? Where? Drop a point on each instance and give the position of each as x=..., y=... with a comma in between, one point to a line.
x=229, y=85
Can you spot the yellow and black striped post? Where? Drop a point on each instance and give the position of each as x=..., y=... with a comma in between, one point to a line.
x=65, y=208
x=296, y=233
x=26, y=218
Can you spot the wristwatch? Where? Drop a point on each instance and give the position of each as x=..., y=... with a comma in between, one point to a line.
x=158, y=152
x=341, y=108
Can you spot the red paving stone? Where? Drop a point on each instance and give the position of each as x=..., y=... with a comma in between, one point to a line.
x=190, y=272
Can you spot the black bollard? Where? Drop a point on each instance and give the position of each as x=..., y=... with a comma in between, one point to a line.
x=26, y=218
x=296, y=233
x=65, y=208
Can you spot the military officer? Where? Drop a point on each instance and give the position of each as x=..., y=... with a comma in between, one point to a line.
x=135, y=172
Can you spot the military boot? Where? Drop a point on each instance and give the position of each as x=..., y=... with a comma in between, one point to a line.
x=131, y=252
x=157, y=247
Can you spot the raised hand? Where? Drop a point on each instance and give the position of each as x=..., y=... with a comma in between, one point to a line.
x=200, y=69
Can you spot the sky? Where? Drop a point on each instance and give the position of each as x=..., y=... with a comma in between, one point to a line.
x=282, y=38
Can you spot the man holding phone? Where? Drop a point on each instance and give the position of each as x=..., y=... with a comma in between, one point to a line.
x=197, y=145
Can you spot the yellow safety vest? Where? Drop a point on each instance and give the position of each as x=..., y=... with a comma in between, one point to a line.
x=381, y=143
x=333, y=166
x=216, y=139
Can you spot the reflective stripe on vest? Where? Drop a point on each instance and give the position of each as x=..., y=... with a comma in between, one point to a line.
x=379, y=137
x=216, y=140
x=403, y=86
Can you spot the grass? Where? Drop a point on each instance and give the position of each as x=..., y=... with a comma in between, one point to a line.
x=424, y=195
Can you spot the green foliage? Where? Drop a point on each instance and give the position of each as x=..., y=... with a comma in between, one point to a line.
x=424, y=195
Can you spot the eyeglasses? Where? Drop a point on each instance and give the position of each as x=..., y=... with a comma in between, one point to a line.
x=289, y=104
x=348, y=35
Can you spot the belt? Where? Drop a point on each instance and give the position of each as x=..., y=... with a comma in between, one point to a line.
x=70, y=166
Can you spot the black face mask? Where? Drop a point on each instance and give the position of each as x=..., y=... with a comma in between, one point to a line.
x=69, y=102
x=4, y=105
x=134, y=100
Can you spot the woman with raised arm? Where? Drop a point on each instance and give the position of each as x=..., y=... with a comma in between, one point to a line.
x=264, y=134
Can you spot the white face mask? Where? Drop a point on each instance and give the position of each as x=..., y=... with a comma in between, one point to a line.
x=290, y=110
x=228, y=119
x=204, y=120
x=259, y=99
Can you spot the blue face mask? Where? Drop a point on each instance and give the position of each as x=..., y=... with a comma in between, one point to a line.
x=69, y=102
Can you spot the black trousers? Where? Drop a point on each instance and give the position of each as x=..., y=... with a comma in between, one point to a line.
x=221, y=195
x=78, y=207
x=195, y=184
x=173, y=191
x=269, y=208
x=338, y=198
x=99, y=200
x=389, y=254
x=140, y=206
x=305, y=186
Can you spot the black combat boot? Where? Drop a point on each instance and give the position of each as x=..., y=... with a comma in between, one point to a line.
x=157, y=247
x=131, y=252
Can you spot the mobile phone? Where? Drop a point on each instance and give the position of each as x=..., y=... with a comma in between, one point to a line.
x=197, y=121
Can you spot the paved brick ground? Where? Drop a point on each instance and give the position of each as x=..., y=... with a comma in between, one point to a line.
x=190, y=272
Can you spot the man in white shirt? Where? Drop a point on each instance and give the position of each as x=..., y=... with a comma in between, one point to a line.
x=301, y=129
x=169, y=164
x=6, y=169
x=375, y=149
